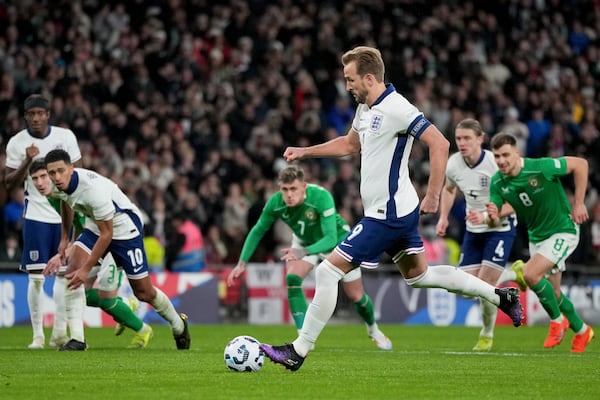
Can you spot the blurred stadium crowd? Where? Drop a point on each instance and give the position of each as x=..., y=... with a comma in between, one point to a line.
x=188, y=105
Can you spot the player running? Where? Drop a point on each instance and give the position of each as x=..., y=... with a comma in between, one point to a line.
x=533, y=188
x=309, y=210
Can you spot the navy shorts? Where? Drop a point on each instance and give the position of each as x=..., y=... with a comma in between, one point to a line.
x=40, y=244
x=489, y=248
x=365, y=243
x=128, y=254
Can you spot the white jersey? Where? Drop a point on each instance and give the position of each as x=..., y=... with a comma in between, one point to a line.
x=100, y=199
x=387, y=130
x=474, y=182
x=37, y=206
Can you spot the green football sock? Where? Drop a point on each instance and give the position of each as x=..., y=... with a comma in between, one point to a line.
x=91, y=298
x=121, y=313
x=566, y=307
x=296, y=299
x=114, y=307
x=364, y=308
x=545, y=292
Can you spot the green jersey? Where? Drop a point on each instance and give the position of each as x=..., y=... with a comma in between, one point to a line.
x=537, y=196
x=315, y=222
x=78, y=219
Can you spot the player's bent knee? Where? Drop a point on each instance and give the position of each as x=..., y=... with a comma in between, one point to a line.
x=417, y=281
x=327, y=272
x=147, y=295
x=299, y=268
x=352, y=276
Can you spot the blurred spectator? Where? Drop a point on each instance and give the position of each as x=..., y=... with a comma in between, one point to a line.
x=10, y=251
x=539, y=130
x=341, y=114
x=185, y=245
x=513, y=126
x=216, y=249
x=235, y=215
x=13, y=211
x=495, y=73
x=155, y=252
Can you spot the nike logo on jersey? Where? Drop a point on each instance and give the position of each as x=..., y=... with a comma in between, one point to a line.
x=496, y=259
x=345, y=244
x=137, y=269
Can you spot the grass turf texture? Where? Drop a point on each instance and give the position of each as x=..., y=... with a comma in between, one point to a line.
x=426, y=363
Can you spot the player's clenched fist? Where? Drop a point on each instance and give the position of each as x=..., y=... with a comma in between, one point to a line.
x=293, y=153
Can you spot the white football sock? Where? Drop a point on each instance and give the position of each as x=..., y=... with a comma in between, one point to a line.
x=321, y=308
x=60, y=311
x=371, y=329
x=163, y=306
x=35, y=289
x=508, y=275
x=455, y=280
x=488, y=318
x=75, y=303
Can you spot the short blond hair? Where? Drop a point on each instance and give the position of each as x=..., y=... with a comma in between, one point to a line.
x=368, y=61
x=290, y=174
x=472, y=124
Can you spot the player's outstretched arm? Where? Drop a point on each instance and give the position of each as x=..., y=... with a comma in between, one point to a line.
x=338, y=147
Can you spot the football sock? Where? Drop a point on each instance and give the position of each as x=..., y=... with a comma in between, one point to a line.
x=75, y=303
x=508, y=275
x=321, y=308
x=60, y=310
x=92, y=299
x=364, y=308
x=163, y=306
x=120, y=312
x=566, y=308
x=488, y=318
x=144, y=328
x=455, y=280
x=545, y=292
x=35, y=287
x=296, y=299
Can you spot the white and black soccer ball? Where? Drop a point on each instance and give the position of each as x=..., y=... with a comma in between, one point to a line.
x=242, y=354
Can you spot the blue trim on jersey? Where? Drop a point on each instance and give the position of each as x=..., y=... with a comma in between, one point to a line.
x=134, y=217
x=481, y=157
x=389, y=88
x=40, y=137
x=391, y=211
x=73, y=183
x=418, y=126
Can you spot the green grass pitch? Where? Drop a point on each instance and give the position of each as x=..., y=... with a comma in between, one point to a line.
x=426, y=363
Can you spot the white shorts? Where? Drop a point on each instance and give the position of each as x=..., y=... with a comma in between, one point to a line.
x=315, y=259
x=107, y=274
x=557, y=248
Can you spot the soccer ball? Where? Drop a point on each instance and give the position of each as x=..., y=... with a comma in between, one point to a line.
x=242, y=354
